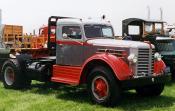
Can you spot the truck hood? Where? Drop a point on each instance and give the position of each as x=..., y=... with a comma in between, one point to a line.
x=118, y=43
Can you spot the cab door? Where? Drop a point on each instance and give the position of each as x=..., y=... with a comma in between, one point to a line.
x=70, y=45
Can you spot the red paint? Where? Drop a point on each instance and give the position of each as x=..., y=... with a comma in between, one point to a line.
x=71, y=75
x=159, y=67
x=67, y=42
x=120, y=67
x=40, y=40
x=66, y=74
x=43, y=31
x=100, y=87
x=124, y=54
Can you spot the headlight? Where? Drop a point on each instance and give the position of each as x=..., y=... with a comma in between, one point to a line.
x=132, y=58
x=157, y=56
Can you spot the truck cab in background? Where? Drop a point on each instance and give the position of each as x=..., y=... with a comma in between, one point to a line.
x=153, y=31
x=85, y=52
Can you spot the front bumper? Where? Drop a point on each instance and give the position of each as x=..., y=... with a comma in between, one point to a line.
x=144, y=81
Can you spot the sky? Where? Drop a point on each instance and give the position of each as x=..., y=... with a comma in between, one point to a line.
x=32, y=14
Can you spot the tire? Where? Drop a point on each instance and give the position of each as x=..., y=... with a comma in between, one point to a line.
x=13, y=77
x=110, y=92
x=151, y=90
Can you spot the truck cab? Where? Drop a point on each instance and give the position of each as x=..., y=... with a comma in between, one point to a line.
x=85, y=52
x=153, y=31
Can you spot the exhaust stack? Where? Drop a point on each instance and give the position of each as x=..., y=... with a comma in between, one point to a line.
x=161, y=14
x=149, y=12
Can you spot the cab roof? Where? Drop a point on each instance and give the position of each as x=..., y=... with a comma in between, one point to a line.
x=82, y=22
x=129, y=20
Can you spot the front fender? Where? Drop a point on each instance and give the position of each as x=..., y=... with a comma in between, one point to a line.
x=119, y=66
x=159, y=67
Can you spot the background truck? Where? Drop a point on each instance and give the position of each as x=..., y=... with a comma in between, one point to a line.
x=85, y=52
x=13, y=37
x=151, y=30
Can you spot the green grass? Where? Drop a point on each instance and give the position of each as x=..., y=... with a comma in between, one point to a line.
x=42, y=97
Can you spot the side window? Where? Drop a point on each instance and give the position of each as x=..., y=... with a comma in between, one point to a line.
x=73, y=32
x=133, y=30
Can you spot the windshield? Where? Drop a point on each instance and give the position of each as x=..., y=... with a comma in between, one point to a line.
x=154, y=28
x=92, y=31
x=149, y=27
x=166, y=45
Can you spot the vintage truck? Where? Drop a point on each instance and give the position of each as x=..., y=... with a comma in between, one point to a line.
x=85, y=52
x=151, y=30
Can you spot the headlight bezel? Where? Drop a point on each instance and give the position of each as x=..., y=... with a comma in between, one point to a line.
x=132, y=58
x=157, y=56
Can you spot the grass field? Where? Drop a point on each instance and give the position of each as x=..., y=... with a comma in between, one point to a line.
x=42, y=97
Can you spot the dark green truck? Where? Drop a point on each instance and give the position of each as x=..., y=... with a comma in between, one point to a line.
x=153, y=31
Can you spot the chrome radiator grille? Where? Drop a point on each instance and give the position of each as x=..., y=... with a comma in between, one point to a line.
x=145, y=63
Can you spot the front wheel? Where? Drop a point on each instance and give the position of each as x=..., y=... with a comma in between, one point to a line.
x=151, y=90
x=103, y=87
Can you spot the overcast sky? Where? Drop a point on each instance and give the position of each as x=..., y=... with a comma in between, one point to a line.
x=34, y=13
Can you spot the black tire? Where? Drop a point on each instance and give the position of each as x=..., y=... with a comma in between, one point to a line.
x=19, y=80
x=113, y=89
x=151, y=90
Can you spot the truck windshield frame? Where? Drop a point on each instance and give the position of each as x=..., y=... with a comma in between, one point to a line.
x=97, y=30
x=154, y=28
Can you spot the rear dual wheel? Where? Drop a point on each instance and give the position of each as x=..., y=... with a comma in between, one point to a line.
x=103, y=87
x=12, y=75
x=9, y=75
